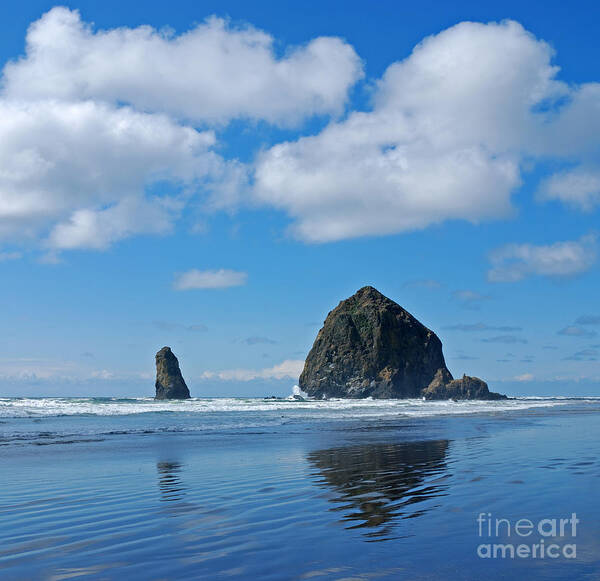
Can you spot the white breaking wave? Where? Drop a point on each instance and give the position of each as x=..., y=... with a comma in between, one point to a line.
x=334, y=408
x=296, y=391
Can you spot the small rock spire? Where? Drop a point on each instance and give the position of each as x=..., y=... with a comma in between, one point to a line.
x=169, y=381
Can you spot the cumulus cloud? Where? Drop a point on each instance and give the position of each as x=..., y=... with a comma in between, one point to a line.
x=77, y=174
x=288, y=369
x=98, y=229
x=579, y=187
x=448, y=132
x=515, y=262
x=93, y=123
x=209, y=279
x=215, y=72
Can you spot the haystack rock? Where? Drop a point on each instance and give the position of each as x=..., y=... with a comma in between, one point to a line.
x=370, y=346
x=169, y=381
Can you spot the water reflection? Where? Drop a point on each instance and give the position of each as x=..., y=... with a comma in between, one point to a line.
x=377, y=485
x=169, y=481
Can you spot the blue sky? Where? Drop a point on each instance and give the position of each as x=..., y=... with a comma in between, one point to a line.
x=217, y=176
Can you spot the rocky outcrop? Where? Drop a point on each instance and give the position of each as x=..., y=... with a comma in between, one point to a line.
x=465, y=388
x=370, y=346
x=169, y=381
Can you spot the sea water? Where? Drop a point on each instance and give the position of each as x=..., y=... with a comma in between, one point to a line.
x=229, y=488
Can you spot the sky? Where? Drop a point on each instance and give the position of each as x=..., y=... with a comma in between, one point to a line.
x=217, y=176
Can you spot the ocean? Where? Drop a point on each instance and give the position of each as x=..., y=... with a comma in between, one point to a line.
x=229, y=488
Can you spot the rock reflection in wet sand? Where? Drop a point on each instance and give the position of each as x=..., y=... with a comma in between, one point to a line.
x=169, y=481
x=378, y=485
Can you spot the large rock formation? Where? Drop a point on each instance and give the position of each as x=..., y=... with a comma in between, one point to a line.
x=169, y=381
x=370, y=346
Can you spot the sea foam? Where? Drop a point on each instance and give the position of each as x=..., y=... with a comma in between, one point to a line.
x=333, y=408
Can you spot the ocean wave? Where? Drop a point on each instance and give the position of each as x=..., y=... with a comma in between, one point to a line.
x=56, y=407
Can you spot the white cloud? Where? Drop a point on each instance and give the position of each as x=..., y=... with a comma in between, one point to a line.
x=204, y=279
x=212, y=73
x=288, y=369
x=524, y=378
x=515, y=262
x=579, y=187
x=102, y=374
x=98, y=229
x=33, y=368
x=81, y=171
x=450, y=127
x=93, y=122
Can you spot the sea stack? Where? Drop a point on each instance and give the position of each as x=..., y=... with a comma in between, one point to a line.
x=370, y=346
x=169, y=381
x=465, y=388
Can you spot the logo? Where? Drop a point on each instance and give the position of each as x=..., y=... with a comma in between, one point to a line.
x=548, y=538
